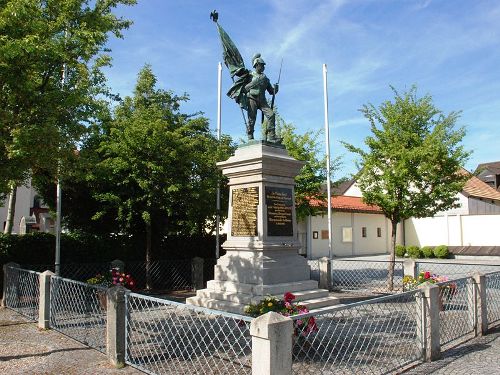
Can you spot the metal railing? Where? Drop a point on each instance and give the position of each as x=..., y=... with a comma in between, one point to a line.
x=365, y=276
x=79, y=311
x=163, y=274
x=457, y=319
x=493, y=298
x=373, y=337
x=165, y=337
x=455, y=270
x=22, y=291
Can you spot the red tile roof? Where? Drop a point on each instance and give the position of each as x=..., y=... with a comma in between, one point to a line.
x=344, y=203
x=474, y=187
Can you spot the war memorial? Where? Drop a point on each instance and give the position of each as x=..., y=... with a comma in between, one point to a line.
x=262, y=247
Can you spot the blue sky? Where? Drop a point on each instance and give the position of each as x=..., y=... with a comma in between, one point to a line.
x=449, y=48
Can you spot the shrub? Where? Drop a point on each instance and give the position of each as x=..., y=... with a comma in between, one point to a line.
x=427, y=252
x=414, y=252
x=400, y=251
x=441, y=252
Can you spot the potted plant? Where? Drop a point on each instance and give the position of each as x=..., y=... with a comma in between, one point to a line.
x=113, y=278
x=447, y=290
x=285, y=307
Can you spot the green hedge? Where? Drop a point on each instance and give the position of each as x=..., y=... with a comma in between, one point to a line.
x=427, y=252
x=441, y=252
x=400, y=251
x=414, y=252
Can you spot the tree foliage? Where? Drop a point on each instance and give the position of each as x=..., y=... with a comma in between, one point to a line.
x=413, y=166
x=42, y=119
x=312, y=177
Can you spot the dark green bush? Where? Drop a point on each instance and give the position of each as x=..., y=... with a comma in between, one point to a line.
x=427, y=252
x=441, y=251
x=400, y=251
x=414, y=252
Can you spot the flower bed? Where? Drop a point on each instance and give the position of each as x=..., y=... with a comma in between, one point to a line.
x=285, y=307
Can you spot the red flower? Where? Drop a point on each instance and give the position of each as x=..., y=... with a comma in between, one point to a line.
x=427, y=275
x=288, y=297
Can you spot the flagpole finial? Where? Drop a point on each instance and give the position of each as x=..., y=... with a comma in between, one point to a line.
x=214, y=16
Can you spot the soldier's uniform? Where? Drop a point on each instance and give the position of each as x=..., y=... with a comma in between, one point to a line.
x=256, y=92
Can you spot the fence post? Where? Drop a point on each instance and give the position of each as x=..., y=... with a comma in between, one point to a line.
x=115, y=326
x=271, y=344
x=410, y=268
x=325, y=273
x=119, y=264
x=480, y=309
x=44, y=301
x=197, y=273
x=431, y=308
x=6, y=281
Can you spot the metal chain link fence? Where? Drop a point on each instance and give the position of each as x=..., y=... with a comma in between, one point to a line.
x=79, y=311
x=165, y=337
x=22, y=293
x=378, y=336
x=163, y=274
x=365, y=276
x=456, y=317
x=493, y=298
x=455, y=270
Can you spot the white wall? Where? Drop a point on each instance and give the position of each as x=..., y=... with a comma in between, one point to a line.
x=353, y=191
x=369, y=245
x=454, y=230
x=24, y=201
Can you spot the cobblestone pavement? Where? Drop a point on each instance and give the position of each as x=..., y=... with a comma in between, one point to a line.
x=478, y=356
x=24, y=349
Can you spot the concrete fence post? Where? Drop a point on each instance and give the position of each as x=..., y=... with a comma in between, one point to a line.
x=432, y=307
x=325, y=273
x=197, y=273
x=44, y=301
x=410, y=268
x=271, y=344
x=6, y=281
x=481, y=308
x=115, y=326
x=118, y=264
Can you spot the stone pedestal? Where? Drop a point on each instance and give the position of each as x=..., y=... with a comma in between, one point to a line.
x=262, y=246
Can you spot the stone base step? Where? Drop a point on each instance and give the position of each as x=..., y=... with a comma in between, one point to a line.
x=246, y=299
x=261, y=289
x=316, y=303
x=214, y=304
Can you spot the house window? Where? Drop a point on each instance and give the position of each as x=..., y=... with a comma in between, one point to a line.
x=315, y=234
x=346, y=234
x=379, y=232
x=363, y=232
x=324, y=234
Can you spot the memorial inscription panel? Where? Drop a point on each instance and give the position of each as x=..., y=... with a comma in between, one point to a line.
x=244, y=219
x=279, y=204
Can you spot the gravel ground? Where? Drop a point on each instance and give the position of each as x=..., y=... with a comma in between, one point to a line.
x=24, y=349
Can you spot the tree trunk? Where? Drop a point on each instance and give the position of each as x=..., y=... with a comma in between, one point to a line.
x=392, y=256
x=11, y=210
x=149, y=281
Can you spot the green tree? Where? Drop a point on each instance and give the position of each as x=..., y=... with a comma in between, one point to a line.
x=413, y=166
x=158, y=165
x=42, y=119
x=311, y=180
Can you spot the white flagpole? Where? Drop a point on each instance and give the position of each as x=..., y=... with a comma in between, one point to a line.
x=59, y=200
x=219, y=101
x=327, y=142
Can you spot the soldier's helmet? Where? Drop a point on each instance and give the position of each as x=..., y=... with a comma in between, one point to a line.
x=257, y=60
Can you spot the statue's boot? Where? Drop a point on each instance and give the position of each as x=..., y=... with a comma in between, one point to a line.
x=250, y=128
x=272, y=137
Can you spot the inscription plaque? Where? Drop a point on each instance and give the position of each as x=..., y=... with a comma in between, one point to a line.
x=244, y=203
x=279, y=211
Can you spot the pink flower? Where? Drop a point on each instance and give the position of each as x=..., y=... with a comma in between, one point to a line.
x=288, y=297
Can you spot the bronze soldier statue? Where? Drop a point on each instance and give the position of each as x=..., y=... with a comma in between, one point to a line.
x=249, y=88
x=256, y=93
